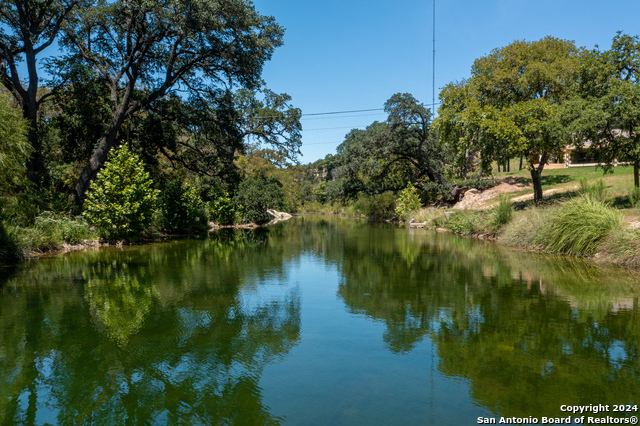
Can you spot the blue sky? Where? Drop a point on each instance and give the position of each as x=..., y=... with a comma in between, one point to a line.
x=342, y=55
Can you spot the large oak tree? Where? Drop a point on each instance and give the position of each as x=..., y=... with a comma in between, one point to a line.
x=144, y=50
x=518, y=96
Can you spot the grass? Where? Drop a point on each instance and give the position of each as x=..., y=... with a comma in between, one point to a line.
x=577, y=226
x=51, y=231
x=618, y=182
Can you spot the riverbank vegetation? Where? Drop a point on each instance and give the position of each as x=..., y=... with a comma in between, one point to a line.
x=152, y=120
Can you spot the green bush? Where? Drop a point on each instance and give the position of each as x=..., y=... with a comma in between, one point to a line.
x=120, y=201
x=634, y=196
x=256, y=195
x=182, y=208
x=222, y=209
x=597, y=190
x=50, y=231
x=502, y=212
x=464, y=222
x=577, y=227
x=407, y=202
x=377, y=207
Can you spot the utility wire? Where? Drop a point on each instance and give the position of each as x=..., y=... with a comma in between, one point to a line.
x=335, y=112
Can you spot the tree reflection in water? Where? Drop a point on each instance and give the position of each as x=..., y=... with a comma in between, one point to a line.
x=145, y=335
x=182, y=332
x=526, y=331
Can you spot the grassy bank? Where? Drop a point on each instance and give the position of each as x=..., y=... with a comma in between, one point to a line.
x=592, y=216
x=49, y=233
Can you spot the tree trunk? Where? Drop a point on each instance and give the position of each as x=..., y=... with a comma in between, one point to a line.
x=28, y=100
x=636, y=174
x=34, y=165
x=99, y=156
x=520, y=163
x=537, y=185
x=95, y=163
x=536, y=177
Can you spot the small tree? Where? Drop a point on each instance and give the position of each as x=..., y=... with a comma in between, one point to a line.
x=407, y=202
x=256, y=195
x=121, y=200
x=182, y=208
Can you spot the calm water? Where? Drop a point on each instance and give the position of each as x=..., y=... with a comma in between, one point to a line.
x=315, y=321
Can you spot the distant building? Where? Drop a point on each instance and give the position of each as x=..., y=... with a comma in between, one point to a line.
x=589, y=156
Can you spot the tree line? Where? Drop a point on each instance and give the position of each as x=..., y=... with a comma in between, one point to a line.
x=528, y=100
x=178, y=82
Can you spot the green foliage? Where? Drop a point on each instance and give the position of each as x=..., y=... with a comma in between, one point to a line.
x=465, y=222
x=502, y=212
x=480, y=184
x=511, y=106
x=578, y=226
x=385, y=156
x=9, y=250
x=121, y=199
x=50, y=231
x=256, y=195
x=606, y=110
x=182, y=208
x=205, y=47
x=596, y=191
x=222, y=209
x=634, y=196
x=376, y=207
x=407, y=202
x=14, y=148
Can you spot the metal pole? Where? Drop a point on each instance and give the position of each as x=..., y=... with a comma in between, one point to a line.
x=433, y=84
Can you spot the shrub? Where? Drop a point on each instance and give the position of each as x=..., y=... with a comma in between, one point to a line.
x=502, y=212
x=524, y=229
x=222, y=210
x=634, y=196
x=376, y=207
x=407, y=202
x=464, y=222
x=256, y=195
x=182, y=208
x=120, y=201
x=597, y=190
x=577, y=226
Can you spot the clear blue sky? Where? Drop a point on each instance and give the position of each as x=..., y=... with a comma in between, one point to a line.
x=343, y=55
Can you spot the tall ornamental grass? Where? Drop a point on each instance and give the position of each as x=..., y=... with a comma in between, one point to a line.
x=579, y=225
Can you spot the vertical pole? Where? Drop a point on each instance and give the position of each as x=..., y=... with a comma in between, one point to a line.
x=433, y=83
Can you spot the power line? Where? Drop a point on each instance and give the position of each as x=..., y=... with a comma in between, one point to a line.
x=343, y=112
x=336, y=128
x=316, y=114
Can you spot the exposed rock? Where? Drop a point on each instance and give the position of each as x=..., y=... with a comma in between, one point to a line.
x=277, y=216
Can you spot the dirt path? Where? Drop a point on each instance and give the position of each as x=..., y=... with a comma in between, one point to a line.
x=481, y=200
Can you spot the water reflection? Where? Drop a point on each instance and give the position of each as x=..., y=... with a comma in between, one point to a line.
x=184, y=332
x=526, y=331
x=148, y=335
